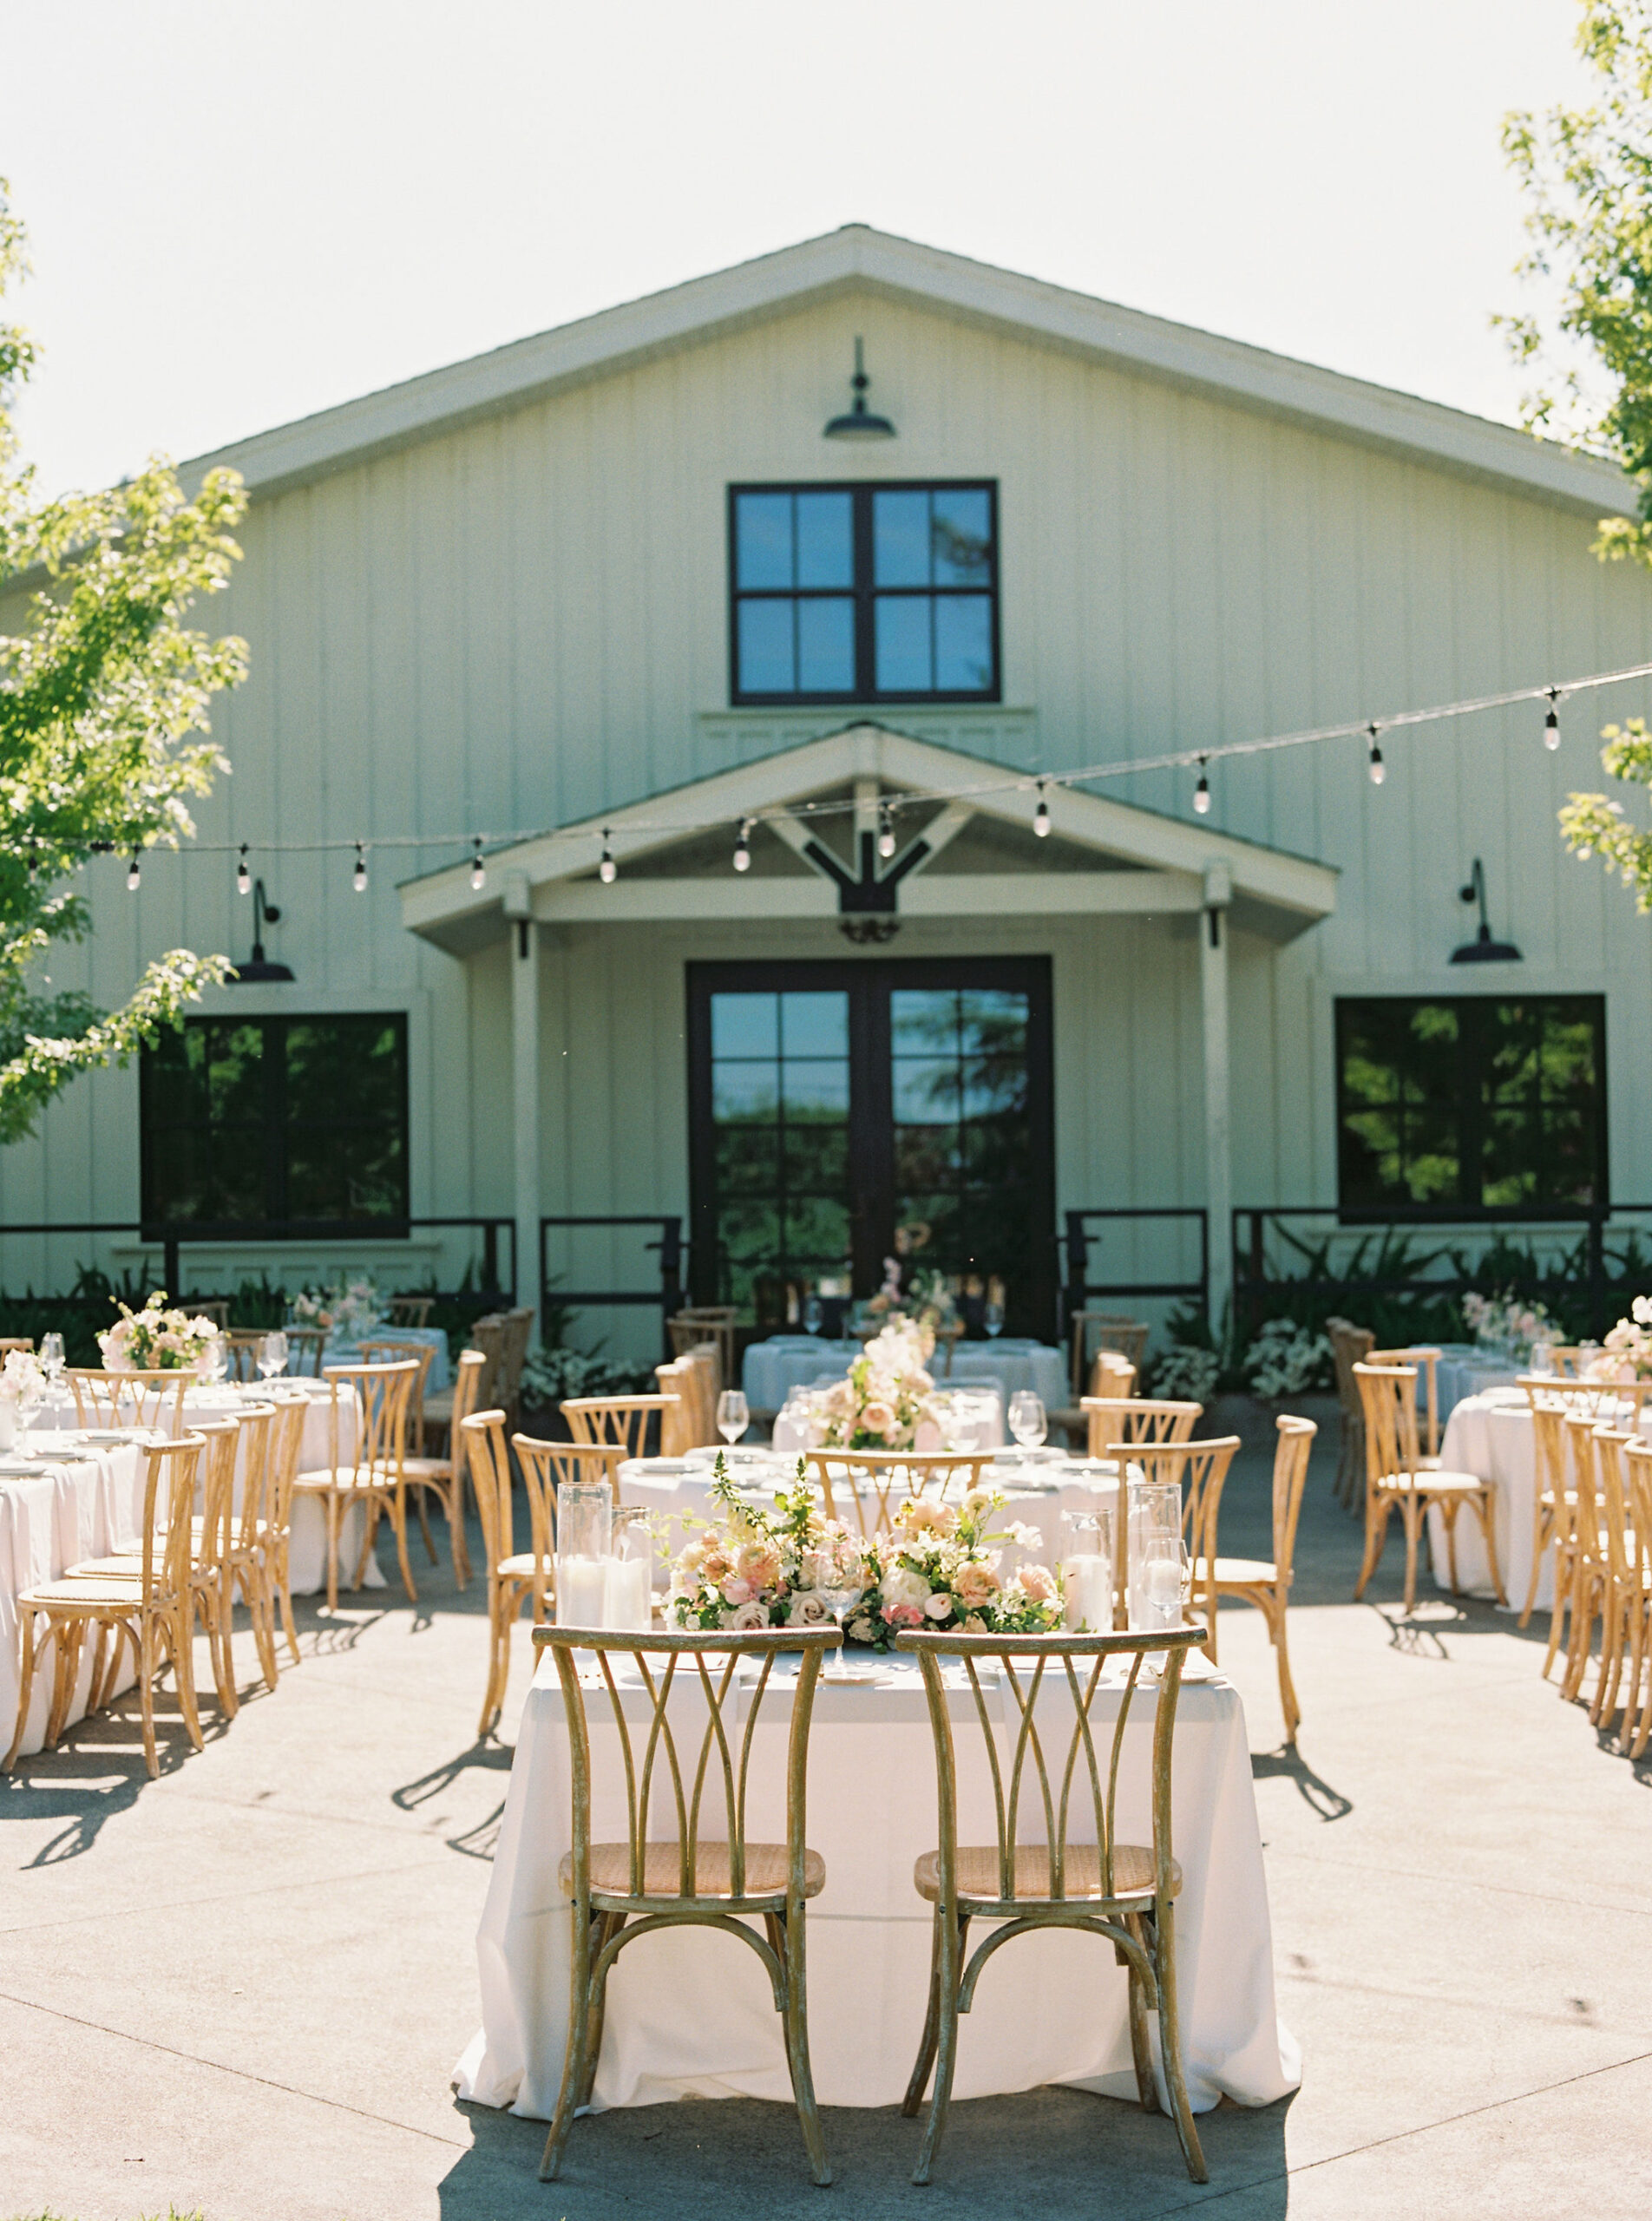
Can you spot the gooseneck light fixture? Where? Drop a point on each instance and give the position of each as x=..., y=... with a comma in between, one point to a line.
x=1483, y=949
x=860, y=424
x=259, y=968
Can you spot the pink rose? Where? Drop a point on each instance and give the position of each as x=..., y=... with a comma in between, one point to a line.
x=903, y=1615
x=734, y=1590
x=975, y=1585
x=878, y=1419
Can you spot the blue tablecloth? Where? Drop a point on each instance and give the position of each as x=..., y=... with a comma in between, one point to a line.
x=441, y=1374
x=774, y=1368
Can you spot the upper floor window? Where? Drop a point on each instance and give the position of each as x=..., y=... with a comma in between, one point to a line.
x=297, y=1120
x=863, y=594
x=1471, y=1103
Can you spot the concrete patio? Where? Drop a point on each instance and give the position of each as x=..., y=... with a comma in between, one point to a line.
x=242, y=1988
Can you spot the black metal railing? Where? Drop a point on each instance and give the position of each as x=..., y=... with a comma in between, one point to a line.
x=171, y=1236
x=1079, y=1283
x=1331, y=1258
x=667, y=1293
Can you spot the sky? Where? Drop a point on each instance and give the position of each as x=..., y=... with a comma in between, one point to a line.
x=243, y=210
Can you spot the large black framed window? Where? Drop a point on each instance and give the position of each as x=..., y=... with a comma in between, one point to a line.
x=1472, y=1104
x=842, y=1112
x=863, y=594
x=291, y=1121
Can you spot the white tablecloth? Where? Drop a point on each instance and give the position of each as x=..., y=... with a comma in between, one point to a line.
x=52, y=1515
x=691, y=2015
x=772, y=1369
x=1490, y=1435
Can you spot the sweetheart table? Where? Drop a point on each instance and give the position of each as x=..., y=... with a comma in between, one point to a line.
x=691, y=2015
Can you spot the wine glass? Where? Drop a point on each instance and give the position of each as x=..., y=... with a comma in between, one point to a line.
x=1165, y=1581
x=51, y=1356
x=214, y=1362
x=839, y=1581
x=993, y=1319
x=1029, y=1422
x=1542, y=1358
x=814, y=1313
x=272, y=1355
x=733, y=1415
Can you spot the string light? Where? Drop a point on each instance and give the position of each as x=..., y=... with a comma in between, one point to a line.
x=243, y=877
x=886, y=832
x=1374, y=764
x=478, y=869
x=134, y=874
x=1041, y=814
x=742, y=852
x=1202, y=792
x=607, y=870
x=358, y=877
x=1552, y=723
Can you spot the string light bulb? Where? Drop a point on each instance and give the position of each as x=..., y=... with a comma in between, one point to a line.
x=1041, y=815
x=358, y=877
x=478, y=869
x=1202, y=792
x=1374, y=764
x=134, y=874
x=886, y=832
x=607, y=870
x=742, y=852
x=243, y=877
x=1552, y=723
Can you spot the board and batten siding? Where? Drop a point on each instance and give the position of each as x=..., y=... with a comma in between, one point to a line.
x=523, y=621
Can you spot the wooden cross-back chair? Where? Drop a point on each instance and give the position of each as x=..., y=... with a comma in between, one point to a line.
x=384, y=1349
x=517, y=1328
x=1426, y=1357
x=1637, y=1463
x=1618, y=1603
x=1266, y=1583
x=1095, y=1331
x=1602, y=1402
x=1076, y=1875
x=1131, y=1419
x=368, y=1439
x=444, y=1476
x=17, y=1342
x=1350, y=1346
x=691, y=1380
x=1199, y=1470
x=304, y=1347
x=151, y=1609
x=153, y=1400
x=1554, y=1505
x=622, y=1420
x=711, y=1874
x=241, y=1349
x=409, y=1310
x=287, y=1455
x=876, y=1483
x=518, y=1577
x=1397, y=1480
x=698, y=1324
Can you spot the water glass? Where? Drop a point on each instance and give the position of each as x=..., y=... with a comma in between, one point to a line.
x=272, y=1355
x=733, y=1415
x=51, y=1355
x=1087, y=1569
x=993, y=1319
x=628, y=1602
x=814, y=1314
x=1028, y=1421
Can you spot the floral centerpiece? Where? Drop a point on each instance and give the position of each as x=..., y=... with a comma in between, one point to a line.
x=1499, y=1322
x=348, y=1308
x=156, y=1339
x=937, y=1566
x=22, y=1380
x=886, y=1397
x=1626, y=1354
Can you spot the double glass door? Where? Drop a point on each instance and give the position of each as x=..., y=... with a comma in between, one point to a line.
x=845, y=1112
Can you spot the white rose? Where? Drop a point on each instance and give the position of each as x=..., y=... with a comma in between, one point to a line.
x=901, y=1585
x=744, y=1617
x=808, y=1610
x=938, y=1607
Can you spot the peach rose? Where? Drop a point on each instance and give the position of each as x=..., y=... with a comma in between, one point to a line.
x=1038, y=1582
x=975, y=1585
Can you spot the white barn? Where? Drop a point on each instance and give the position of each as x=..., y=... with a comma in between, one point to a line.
x=620, y=585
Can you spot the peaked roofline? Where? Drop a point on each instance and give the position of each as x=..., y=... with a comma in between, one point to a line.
x=858, y=257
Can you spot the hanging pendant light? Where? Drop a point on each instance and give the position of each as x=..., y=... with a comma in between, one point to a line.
x=860, y=424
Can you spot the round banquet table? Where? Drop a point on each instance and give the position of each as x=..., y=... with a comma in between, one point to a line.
x=307, y=1544
x=53, y=1513
x=441, y=1374
x=772, y=1369
x=691, y=2015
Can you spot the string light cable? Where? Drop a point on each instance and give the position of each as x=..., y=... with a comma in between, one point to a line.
x=1364, y=729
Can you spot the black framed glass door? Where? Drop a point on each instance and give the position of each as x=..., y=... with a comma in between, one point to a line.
x=835, y=1105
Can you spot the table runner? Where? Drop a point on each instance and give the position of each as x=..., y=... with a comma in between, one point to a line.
x=691, y=2015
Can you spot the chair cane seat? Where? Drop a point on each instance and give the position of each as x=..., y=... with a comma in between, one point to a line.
x=1425, y=1482
x=345, y=1479
x=1239, y=1573
x=110, y=1593
x=979, y=1876
x=522, y=1566
x=765, y=1870
x=428, y=1469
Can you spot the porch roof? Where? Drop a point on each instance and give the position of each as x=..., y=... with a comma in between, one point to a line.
x=674, y=852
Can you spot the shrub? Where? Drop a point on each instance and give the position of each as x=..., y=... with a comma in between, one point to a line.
x=1285, y=1359
x=1186, y=1373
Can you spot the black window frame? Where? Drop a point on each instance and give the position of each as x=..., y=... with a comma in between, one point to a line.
x=863, y=593
x=1470, y=1105
x=276, y=1127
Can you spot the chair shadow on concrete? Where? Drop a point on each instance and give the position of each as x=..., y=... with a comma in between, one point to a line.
x=482, y=1837
x=1062, y=2155
x=1287, y=1764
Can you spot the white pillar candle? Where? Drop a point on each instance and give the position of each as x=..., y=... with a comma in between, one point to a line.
x=627, y=1603
x=1089, y=1587
x=581, y=1592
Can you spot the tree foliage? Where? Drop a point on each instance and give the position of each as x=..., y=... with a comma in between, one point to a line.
x=103, y=727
